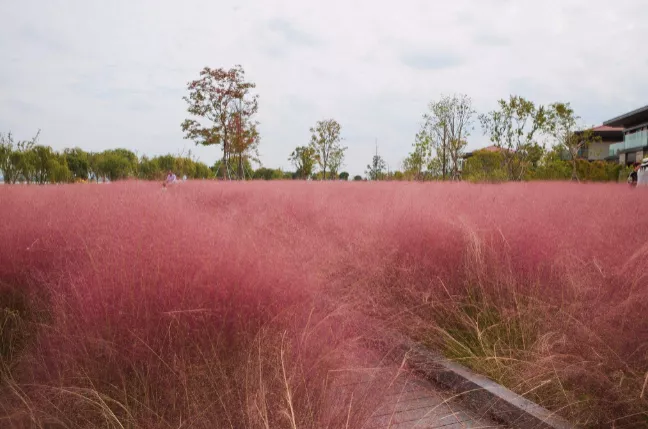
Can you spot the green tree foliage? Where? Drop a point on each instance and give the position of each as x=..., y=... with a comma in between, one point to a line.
x=17, y=159
x=398, y=175
x=513, y=128
x=303, y=158
x=77, y=162
x=58, y=171
x=335, y=163
x=485, y=166
x=326, y=144
x=42, y=161
x=357, y=178
x=447, y=124
x=268, y=174
x=344, y=176
x=376, y=170
x=222, y=107
x=563, y=126
x=156, y=168
x=245, y=138
x=8, y=166
x=220, y=170
x=419, y=159
x=117, y=164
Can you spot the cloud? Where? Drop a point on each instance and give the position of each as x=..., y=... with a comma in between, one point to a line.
x=493, y=39
x=290, y=33
x=108, y=74
x=431, y=61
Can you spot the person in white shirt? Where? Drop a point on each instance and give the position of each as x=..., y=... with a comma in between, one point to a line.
x=642, y=173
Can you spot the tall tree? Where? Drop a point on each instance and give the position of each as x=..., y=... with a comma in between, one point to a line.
x=513, y=128
x=16, y=159
x=336, y=161
x=40, y=158
x=7, y=167
x=326, y=143
x=116, y=164
x=376, y=170
x=77, y=162
x=303, y=158
x=449, y=122
x=245, y=139
x=420, y=156
x=216, y=100
x=564, y=126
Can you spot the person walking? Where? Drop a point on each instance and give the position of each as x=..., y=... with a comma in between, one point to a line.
x=633, y=178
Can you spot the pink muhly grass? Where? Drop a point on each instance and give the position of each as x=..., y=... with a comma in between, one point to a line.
x=228, y=305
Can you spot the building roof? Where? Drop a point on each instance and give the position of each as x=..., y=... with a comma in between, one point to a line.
x=491, y=148
x=607, y=133
x=629, y=119
x=607, y=128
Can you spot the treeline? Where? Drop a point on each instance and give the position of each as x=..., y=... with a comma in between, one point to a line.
x=490, y=166
x=532, y=142
x=26, y=161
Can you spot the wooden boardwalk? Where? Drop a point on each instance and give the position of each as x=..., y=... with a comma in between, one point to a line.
x=393, y=398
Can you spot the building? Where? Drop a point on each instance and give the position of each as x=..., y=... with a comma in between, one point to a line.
x=600, y=150
x=634, y=146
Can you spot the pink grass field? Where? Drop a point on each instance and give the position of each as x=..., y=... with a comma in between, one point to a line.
x=229, y=304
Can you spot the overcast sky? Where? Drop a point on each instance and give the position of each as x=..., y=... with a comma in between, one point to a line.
x=106, y=74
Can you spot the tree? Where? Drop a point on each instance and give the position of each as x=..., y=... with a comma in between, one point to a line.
x=268, y=174
x=448, y=123
x=376, y=170
x=420, y=157
x=94, y=160
x=485, y=165
x=563, y=125
x=7, y=166
x=222, y=100
x=116, y=164
x=344, y=176
x=77, y=163
x=357, y=178
x=326, y=143
x=513, y=128
x=16, y=159
x=57, y=169
x=303, y=158
x=245, y=138
x=220, y=170
x=40, y=158
x=149, y=169
x=202, y=171
x=335, y=162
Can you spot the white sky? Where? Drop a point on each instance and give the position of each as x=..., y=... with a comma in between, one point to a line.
x=105, y=74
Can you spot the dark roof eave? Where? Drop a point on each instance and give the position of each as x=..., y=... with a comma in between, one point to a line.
x=619, y=120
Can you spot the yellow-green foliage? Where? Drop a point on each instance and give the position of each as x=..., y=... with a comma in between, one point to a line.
x=485, y=166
